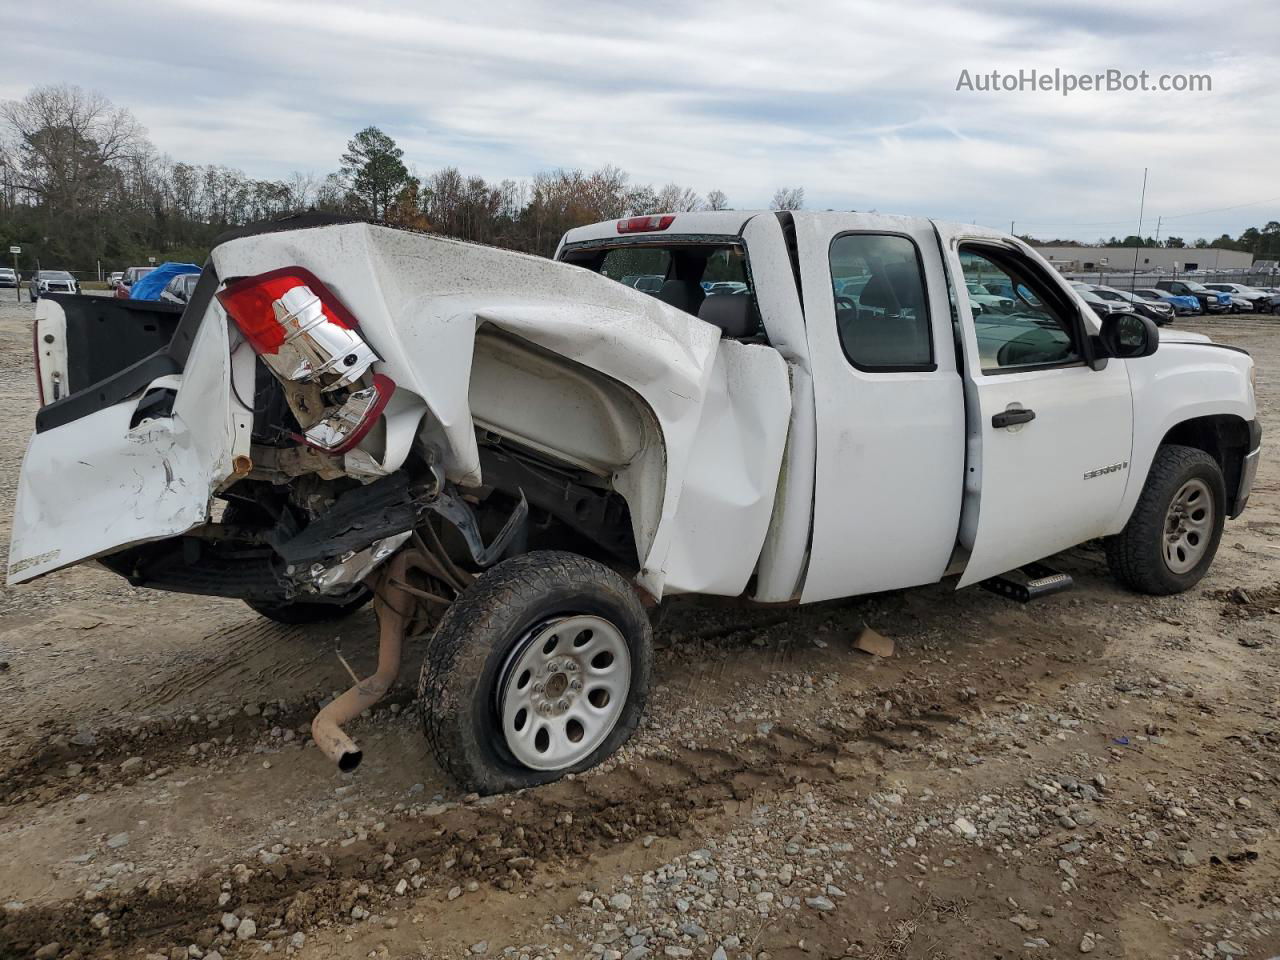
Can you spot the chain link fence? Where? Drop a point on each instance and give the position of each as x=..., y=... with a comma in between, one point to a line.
x=1129, y=281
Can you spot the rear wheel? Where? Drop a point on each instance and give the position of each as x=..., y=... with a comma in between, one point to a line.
x=539, y=669
x=1171, y=539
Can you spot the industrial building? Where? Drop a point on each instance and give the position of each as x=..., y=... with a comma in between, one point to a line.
x=1150, y=259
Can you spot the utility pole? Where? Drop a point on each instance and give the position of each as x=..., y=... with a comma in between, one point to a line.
x=1142, y=205
x=1159, y=220
x=1011, y=233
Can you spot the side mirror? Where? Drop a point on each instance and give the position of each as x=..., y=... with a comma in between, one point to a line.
x=1127, y=336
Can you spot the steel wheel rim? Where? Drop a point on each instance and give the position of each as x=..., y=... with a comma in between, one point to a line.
x=1188, y=526
x=562, y=691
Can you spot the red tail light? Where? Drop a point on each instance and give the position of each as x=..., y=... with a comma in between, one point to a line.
x=646, y=224
x=304, y=334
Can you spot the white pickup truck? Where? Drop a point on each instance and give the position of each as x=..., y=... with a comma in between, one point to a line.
x=518, y=455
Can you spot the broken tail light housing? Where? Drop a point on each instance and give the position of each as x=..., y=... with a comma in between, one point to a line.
x=342, y=427
x=298, y=328
x=305, y=335
x=646, y=224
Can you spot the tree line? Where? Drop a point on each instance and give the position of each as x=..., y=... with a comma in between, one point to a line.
x=1263, y=242
x=81, y=184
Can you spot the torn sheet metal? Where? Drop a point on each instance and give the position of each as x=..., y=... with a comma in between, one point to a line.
x=420, y=300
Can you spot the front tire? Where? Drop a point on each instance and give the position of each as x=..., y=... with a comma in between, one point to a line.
x=540, y=668
x=1172, y=536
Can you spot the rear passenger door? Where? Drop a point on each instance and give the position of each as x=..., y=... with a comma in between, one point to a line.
x=889, y=403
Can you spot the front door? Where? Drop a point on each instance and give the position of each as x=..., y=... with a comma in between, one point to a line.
x=1049, y=435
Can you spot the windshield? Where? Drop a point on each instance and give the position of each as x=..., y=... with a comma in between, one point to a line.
x=1192, y=285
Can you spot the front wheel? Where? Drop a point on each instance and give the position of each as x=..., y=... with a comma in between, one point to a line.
x=1172, y=536
x=539, y=669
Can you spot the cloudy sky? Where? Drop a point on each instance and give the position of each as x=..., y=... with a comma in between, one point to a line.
x=854, y=101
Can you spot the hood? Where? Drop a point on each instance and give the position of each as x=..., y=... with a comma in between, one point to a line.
x=1183, y=336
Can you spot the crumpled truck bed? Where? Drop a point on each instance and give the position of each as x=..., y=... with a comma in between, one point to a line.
x=700, y=480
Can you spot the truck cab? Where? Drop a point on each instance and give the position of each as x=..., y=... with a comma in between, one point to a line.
x=931, y=435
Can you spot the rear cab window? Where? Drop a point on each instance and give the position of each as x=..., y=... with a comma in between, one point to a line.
x=882, y=313
x=688, y=273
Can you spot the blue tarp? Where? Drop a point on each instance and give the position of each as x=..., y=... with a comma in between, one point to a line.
x=152, y=285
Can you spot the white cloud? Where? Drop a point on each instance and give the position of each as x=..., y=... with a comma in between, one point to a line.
x=854, y=101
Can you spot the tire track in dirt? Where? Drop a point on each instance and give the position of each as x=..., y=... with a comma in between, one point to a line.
x=501, y=841
x=249, y=641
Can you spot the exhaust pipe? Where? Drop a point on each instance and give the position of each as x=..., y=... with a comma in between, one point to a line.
x=393, y=606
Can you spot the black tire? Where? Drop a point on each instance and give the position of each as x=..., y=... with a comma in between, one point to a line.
x=458, y=688
x=297, y=612
x=1136, y=554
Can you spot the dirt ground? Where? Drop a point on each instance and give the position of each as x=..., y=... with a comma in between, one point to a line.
x=1094, y=773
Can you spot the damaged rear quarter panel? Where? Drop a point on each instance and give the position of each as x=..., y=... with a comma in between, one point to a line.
x=421, y=299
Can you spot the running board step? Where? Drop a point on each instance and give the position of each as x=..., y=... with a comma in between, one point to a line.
x=1041, y=581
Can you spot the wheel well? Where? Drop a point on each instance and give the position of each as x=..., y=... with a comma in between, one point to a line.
x=1225, y=438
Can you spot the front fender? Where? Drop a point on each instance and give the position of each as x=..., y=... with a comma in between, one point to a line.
x=1181, y=381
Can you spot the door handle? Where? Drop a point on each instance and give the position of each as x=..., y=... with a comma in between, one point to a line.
x=1009, y=418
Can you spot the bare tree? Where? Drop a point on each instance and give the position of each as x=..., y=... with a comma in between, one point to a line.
x=60, y=143
x=302, y=189
x=716, y=200
x=674, y=198
x=788, y=198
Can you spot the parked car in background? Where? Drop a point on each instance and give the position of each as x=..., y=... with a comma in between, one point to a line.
x=726, y=286
x=113, y=280
x=1261, y=300
x=991, y=302
x=9, y=277
x=1211, y=301
x=180, y=288
x=1161, y=313
x=52, y=281
x=1102, y=307
x=1183, y=305
x=130, y=277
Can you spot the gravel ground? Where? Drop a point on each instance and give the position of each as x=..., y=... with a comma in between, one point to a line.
x=1092, y=774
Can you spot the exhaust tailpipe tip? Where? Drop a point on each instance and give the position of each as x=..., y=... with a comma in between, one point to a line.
x=326, y=727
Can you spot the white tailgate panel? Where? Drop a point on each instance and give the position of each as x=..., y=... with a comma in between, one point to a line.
x=92, y=486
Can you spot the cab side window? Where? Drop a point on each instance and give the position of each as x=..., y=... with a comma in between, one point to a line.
x=1020, y=322
x=882, y=313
